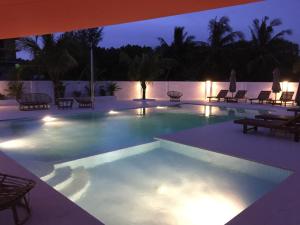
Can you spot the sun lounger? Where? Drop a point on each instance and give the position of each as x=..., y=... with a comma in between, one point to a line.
x=274, y=117
x=263, y=96
x=291, y=126
x=240, y=95
x=221, y=95
x=174, y=96
x=286, y=97
x=84, y=102
x=34, y=101
x=14, y=194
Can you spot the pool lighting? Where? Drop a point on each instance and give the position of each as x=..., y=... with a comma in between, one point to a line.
x=49, y=119
x=14, y=144
x=112, y=112
x=161, y=107
x=207, y=111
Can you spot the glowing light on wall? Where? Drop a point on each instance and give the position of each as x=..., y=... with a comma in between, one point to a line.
x=138, y=90
x=208, y=88
x=285, y=86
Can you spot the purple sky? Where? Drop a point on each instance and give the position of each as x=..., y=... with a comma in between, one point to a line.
x=146, y=32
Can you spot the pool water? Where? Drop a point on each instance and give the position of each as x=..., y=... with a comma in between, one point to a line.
x=66, y=138
x=165, y=183
x=112, y=166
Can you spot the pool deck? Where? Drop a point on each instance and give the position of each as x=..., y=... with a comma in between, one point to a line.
x=278, y=207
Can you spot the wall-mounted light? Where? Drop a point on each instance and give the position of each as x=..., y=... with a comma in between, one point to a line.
x=285, y=86
x=208, y=88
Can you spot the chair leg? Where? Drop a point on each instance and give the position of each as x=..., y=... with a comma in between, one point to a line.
x=15, y=214
x=296, y=137
x=245, y=128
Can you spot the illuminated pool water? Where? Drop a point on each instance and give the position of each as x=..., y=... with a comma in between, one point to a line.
x=72, y=137
x=111, y=165
x=164, y=183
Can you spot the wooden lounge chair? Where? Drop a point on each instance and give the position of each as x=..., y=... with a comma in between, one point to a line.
x=221, y=95
x=84, y=102
x=14, y=194
x=240, y=95
x=286, y=97
x=274, y=117
x=263, y=96
x=34, y=101
x=291, y=125
x=174, y=96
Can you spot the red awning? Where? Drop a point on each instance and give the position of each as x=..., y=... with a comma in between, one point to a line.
x=27, y=17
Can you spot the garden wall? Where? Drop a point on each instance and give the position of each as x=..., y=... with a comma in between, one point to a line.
x=157, y=89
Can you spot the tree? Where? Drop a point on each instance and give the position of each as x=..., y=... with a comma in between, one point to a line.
x=144, y=68
x=50, y=57
x=181, y=49
x=268, y=47
x=218, y=47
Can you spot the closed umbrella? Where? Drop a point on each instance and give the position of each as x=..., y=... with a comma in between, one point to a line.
x=232, y=80
x=298, y=95
x=276, y=88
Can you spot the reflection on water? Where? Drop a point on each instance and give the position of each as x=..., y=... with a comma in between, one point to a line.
x=76, y=136
x=161, y=187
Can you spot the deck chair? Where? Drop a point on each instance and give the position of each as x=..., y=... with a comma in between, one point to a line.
x=291, y=125
x=263, y=96
x=240, y=95
x=34, y=101
x=221, y=95
x=14, y=194
x=286, y=97
x=84, y=102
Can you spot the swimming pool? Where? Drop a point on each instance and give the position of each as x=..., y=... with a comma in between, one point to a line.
x=141, y=180
x=164, y=183
x=64, y=138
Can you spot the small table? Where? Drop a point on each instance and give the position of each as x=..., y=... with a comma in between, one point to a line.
x=65, y=103
x=295, y=110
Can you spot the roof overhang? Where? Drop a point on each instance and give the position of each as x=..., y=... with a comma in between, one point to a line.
x=31, y=17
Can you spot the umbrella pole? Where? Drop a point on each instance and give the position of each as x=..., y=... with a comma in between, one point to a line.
x=92, y=76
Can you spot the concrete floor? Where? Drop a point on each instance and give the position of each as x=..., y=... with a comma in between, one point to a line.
x=279, y=207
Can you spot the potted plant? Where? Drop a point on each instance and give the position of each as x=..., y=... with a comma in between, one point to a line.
x=112, y=87
x=15, y=89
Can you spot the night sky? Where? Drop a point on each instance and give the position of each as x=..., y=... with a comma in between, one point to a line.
x=146, y=32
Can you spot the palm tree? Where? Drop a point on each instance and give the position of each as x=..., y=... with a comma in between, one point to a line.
x=266, y=45
x=50, y=57
x=221, y=36
x=181, y=49
x=145, y=69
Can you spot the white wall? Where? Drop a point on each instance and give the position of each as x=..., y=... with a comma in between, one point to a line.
x=157, y=89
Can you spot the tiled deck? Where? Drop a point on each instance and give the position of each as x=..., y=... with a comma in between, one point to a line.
x=279, y=207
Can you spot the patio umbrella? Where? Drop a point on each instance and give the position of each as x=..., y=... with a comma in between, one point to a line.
x=298, y=95
x=232, y=80
x=276, y=88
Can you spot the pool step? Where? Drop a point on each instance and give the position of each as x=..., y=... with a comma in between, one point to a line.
x=61, y=177
x=79, y=183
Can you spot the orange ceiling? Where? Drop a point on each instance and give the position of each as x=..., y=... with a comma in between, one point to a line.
x=27, y=17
